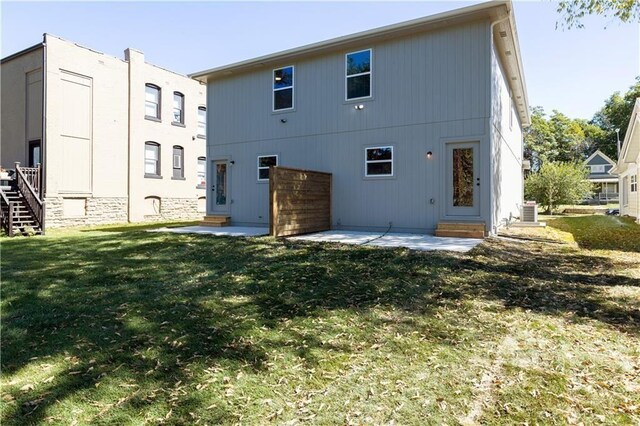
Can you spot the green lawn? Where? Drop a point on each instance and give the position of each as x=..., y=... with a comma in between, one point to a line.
x=122, y=326
x=601, y=232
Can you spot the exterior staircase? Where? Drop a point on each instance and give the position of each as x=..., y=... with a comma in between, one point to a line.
x=21, y=208
x=215, y=220
x=461, y=229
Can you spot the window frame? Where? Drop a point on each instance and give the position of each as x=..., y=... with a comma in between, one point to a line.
x=173, y=109
x=263, y=168
x=633, y=183
x=158, y=173
x=274, y=90
x=200, y=185
x=202, y=135
x=601, y=168
x=347, y=76
x=180, y=169
x=367, y=162
x=158, y=104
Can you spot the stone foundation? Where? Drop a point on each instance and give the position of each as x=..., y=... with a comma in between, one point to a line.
x=84, y=211
x=177, y=209
x=96, y=211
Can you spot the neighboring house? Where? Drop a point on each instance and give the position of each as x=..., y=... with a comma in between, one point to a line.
x=419, y=123
x=117, y=140
x=605, y=183
x=628, y=167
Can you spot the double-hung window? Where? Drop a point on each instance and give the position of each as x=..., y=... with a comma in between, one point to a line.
x=202, y=172
x=358, y=74
x=634, y=183
x=264, y=162
x=178, y=108
x=202, y=121
x=151, y=159
x=283, y=88
x=178, y=162
x=152, y=101
x=379, y=161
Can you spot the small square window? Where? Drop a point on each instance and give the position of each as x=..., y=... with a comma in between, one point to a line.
x=264, y=162
x=379, y=161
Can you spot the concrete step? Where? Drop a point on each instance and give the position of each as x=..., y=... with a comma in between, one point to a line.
x=462, y=226
x=459, y=233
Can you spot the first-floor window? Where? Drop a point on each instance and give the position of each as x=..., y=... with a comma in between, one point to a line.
x=379, y=161
x=202, y=172
x=264, y=162
x=178, y=162
x=634, y=183
x=151, y=159
x=625, y=190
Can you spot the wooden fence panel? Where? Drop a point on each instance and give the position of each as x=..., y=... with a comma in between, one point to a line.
x=299, y=201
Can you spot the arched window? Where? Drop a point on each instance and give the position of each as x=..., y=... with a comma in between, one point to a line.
x=151, y=159
x=202, y=121
x=178, y=162
x=178, y=108
x=152, y=101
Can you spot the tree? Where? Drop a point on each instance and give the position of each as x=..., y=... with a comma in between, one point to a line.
x=573, y=11
x=558, y=183
x=539, y=140
x=569, y=138
x=615, y=114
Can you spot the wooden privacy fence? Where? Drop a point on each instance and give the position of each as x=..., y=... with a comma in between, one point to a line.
x=299, y=201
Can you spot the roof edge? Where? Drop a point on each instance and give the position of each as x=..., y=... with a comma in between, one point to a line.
x=22, y=53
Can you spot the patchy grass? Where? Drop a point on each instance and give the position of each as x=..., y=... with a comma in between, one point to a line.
x=117, y=325
x=601, y=232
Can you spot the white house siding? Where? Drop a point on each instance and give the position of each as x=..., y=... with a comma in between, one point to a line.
x=21, y=91
x=507, y=148
x=631, y=205
x=428, y=89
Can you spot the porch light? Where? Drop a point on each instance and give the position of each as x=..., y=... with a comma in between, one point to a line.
x=358, y=107
x=429, y=155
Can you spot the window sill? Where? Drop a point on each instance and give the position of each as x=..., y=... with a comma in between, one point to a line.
x=150, y=176
x=178, y=178
x=201, y=137
x=381, y=177
x=201, y=187
x=150, y=118
x=175, y=123
x=262, y=181
x=358, y=100
x=282, y=111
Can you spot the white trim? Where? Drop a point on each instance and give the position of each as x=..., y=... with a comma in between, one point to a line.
x=601, y=154
x=347, y=76
x=262, y=168
x=274, y=90
x=366, y=162
x=597, y=168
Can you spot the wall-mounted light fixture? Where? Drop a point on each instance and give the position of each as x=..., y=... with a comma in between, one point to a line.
x=358, y=107
x=429, y=155
x=283, y=120
x=232, y=162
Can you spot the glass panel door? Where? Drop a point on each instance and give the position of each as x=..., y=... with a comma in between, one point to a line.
x=463, y=181
x=220, y=187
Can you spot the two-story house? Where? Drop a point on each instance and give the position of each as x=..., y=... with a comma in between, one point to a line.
x=605, y=184
x=116, y=140
x=628, y=167
x=419, y=123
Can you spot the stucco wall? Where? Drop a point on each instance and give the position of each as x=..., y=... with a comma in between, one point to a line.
x=14, y=107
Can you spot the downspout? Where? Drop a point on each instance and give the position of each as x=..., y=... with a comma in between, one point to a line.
x=43, y=143
x=494, y=228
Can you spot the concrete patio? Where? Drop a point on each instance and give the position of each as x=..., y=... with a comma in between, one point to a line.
x=420, y=242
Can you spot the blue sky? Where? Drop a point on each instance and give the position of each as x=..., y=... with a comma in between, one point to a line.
x=573, y=71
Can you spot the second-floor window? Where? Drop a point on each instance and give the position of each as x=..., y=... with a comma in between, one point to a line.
x=283, y=88
x=178, y=162
x=358, y=74
x=178, y=108
x=202, y=121
x=599, y=168
x=151, y=159
x=152, y=101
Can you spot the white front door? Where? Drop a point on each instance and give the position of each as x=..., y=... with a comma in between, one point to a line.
x=463, y=179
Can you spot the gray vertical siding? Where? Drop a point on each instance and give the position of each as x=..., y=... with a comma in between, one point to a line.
x=428, y=88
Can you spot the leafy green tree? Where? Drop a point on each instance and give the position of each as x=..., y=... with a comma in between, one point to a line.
x=573, y=11
x=558, y=183
x=615, y=114
x=569, y=138
x=539, y=140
